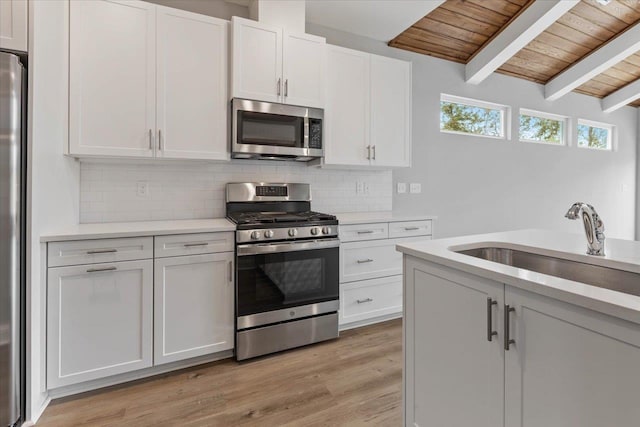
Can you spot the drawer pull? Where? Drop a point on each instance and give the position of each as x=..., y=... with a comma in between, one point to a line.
x=101, y=251
x=365, y=232
x=362, y=301
x=411, y=228
x=97, y=270
x=190, y=245
x=364, y=261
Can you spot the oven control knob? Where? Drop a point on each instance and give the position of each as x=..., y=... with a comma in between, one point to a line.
x=326, y=230
x=293, y=232
x=255, y=235
x=268, y=234
x=315, y=231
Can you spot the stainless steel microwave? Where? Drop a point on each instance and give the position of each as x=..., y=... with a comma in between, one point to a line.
x=265, y=130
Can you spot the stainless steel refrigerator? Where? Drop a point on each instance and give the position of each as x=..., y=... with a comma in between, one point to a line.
x=12, y=197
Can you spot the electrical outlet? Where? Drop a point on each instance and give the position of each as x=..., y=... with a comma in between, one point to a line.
x=402, y=187
x=415, y=188
x=359, y=187
x=142, y=189
x=365, y=188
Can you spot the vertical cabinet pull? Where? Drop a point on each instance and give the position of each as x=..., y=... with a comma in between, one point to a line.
x=368, y=152
x=490, y=332
x=374, y=152
x=159, y=140
x=278, y=86
x=507, y=328
x=286, y=87
x=150, y=139
x=230, y=271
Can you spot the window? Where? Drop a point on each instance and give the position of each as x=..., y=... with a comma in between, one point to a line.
x=542, y=127
x=468, y=116
x=595, y=135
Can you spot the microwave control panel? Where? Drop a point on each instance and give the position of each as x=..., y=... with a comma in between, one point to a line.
x=315, y=133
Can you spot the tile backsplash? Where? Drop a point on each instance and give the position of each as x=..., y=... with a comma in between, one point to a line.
x=111, y=192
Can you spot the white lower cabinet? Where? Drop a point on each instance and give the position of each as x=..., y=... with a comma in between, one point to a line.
x=193, y=306
x=565, y=366
x=99, y=321
x=366, y=299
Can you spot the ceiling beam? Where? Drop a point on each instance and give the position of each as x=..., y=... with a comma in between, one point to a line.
x=621, y=97
x=517, y=34
x=623, y=46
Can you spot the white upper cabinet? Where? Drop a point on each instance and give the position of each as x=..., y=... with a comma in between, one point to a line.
x=147, y=81
x=191, y=88
x=368, y=114
x=112, y=63
x=304, y=68
x=13, y=25
x=257, y=61
x=390, y=112
x=273, y=65
x=347, y=112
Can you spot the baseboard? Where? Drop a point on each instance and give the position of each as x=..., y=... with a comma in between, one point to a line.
x=35, y=416
x=136, y=375
x=368, y=322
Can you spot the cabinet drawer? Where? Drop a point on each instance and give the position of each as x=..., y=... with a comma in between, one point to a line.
x=370, y=298
x=193, y=244
x=101, y=250
x=410, y=228
x=360, y=232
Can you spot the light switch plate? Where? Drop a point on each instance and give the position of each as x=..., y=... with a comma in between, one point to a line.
x=402, y=187
x=415, y=188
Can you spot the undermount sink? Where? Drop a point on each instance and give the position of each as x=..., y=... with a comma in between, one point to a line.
x=602, y=277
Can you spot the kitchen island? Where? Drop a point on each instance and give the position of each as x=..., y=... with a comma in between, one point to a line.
x=492, y=343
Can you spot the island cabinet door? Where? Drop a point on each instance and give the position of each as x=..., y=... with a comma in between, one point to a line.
x=454, y=372
x=569, y=366
x=193, y=306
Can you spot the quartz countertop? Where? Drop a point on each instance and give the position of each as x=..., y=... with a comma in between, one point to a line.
x=349, y=218
x=620, y=254
x=139, y=228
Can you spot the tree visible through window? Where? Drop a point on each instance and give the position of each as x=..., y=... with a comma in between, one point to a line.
x=540, y=127
x=592, y=136
x=472, y=119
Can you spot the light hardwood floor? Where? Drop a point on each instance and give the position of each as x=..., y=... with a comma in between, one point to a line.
x=353, y=381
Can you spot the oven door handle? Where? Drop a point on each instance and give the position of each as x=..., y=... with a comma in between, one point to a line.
x=272, y=248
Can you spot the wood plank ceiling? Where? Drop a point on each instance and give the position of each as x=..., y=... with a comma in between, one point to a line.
x=458, y=29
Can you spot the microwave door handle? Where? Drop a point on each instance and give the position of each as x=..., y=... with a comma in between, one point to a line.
x=306, y=132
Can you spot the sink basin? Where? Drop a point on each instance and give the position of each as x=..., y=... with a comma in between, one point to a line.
x=602, y=277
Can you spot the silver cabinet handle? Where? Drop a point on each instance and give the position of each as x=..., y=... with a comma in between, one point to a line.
x=278, y=86
x=150, y=139
x=101, y=251
x=365, y=232
x=507, y=328
x=411, y=228
x=230, y=271
x=189, y=245
x=490, y=332
x=159, y=140
x=286, y=87
x=97, y=270
x=362, y=301
x=368, y=152
x=364, y=261
x=374, y=152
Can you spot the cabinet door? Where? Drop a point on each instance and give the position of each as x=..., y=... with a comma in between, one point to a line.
x=304, y=65
x=347, y=107
x=112, y=84
x=370, y=299
x=390, y=111
x=99, y=321
x=256, y=64
x=453, y=373
x=192, y=86
x=569, y=366
x=193, y=306
x=13, y=25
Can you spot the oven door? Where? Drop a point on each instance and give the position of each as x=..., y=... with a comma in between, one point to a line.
x=274, y=278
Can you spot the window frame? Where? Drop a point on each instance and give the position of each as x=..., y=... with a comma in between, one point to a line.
x=566, y=133
x=505, y=115
x=592, y=123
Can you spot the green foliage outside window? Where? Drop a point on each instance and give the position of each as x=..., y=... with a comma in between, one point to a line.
x=593, y=137
x=533, y=128
x=470, y=119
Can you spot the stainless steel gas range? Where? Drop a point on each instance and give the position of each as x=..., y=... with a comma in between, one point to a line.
x=287, y=262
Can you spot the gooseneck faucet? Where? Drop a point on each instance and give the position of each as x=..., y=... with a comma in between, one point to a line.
x=593, y=226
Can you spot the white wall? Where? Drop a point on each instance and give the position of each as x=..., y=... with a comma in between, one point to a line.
x=54, y=179
x=478, y=185
x=182, y=190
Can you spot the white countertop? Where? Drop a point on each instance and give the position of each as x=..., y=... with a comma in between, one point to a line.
x=620, y=254
x=139, y=228
x=349, y=218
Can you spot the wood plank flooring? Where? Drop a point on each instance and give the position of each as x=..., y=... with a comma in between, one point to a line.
x=355, y=380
